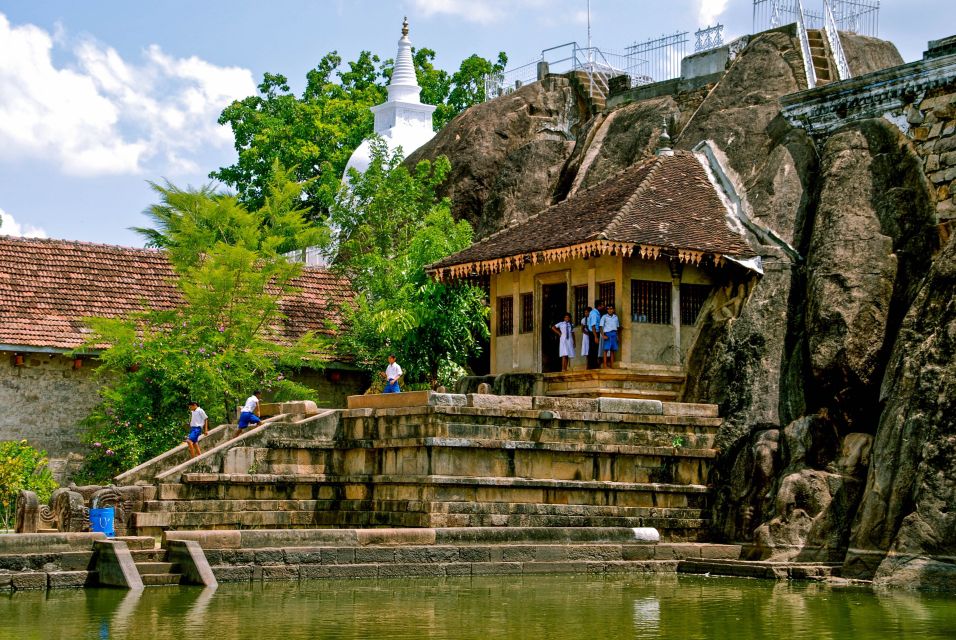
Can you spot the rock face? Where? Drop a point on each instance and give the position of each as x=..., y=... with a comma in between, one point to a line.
x=907, y=506
x=507, y=153
x=834, y=371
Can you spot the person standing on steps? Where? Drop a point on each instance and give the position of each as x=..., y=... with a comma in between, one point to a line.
x=565, y=331
x=198, y=426
x=594, y=331
x=250, y=412
x=391, y=374
x=586, y=335
x=610, y=324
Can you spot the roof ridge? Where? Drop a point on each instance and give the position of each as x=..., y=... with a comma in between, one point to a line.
x=577, y=194
x=80, y=243
x=616, y=219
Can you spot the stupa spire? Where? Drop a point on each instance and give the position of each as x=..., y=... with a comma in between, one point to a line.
x=404, y=85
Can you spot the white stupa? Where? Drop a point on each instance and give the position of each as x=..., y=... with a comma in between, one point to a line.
x=403, y=121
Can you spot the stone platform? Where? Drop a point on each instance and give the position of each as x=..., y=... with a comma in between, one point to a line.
x=445, y=460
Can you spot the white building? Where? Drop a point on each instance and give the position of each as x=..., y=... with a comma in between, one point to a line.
x=403, y=121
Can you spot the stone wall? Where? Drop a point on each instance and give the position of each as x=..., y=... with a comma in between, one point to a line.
x=44, y=400
x=934, y=134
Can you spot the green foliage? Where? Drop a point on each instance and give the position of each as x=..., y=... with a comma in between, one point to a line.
x=314, y=134
x=388, y=225
x=221, y=344
x=21, y=467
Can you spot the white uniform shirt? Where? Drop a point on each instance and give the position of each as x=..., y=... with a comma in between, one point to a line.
x=393, y=372
x=252, y=403
x=610, y=323
x=198, y=418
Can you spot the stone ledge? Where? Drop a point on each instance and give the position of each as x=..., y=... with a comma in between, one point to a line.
x=626, y=405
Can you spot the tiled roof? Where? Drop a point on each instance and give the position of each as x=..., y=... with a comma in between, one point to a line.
x=47, y=288
x=667, y=202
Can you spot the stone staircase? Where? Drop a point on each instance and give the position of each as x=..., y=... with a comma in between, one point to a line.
x=153, y=566
x=510, y=461
x=820, y=53
x=648, y=382
x=590, y=89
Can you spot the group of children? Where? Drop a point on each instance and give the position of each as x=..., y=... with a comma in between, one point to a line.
x=199, y=421
x=599, y=328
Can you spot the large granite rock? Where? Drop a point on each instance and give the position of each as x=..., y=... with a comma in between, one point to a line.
x=509, y=150
x=910, y=498
x=872, y=239
x=865, y=54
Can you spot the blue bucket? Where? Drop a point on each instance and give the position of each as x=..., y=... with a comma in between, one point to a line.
x=101, y=521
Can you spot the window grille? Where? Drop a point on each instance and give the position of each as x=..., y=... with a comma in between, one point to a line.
x=606, y=293
x=527, y=312
x=580, y=301
x=692, y=297
x=506, y=316
x=650, y=302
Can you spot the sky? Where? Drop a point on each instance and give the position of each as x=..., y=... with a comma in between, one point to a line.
x=100, y=98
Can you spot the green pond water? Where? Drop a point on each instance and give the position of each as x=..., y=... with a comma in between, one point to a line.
x=552, y=607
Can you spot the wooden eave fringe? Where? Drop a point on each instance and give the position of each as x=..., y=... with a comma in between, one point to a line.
x=563, y=254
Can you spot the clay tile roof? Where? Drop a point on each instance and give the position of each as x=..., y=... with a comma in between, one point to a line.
x=666, y=202
x=47, y=288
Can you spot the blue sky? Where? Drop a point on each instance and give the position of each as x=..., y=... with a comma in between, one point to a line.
x=98, y=98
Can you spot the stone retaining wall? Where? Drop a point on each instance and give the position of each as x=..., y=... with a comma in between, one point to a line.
x=934, y=135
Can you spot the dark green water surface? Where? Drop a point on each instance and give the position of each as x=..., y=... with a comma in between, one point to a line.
x=545, y=607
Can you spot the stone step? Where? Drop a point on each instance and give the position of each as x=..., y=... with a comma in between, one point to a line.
x=761, y=569
x=611, y=392
x=439, y=489
x=161, y=579
x=137, y=542
x=685, y=528
x=412, y=506
x=148, y=555
x=145, y=568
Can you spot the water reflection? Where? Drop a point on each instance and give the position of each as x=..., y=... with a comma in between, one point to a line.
x=559, y=607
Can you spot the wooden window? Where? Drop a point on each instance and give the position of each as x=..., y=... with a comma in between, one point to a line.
x=506, y=316
x=580, y=301
x=650, y=302
x=692, y=297
x=606, y=293
x=527, y=312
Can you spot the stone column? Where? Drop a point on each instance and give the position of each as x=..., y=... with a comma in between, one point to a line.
x=676, y=270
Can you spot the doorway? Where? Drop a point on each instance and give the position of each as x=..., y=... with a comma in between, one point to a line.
x=554, y=302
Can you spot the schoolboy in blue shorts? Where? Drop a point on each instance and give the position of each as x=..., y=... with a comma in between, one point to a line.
x=250, y=412
x=198, y=426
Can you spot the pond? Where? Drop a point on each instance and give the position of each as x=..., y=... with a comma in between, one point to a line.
x=553, y=607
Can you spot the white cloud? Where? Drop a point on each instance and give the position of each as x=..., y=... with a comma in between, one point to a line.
x=100, y=114
x=10, y=227
x=709, y=10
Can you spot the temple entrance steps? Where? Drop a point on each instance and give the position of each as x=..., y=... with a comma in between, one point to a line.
x=565, y=463
x=218, y=438
x=649, y=382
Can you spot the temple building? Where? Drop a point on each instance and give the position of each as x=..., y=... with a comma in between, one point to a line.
x=658, y=241
x=403, y=121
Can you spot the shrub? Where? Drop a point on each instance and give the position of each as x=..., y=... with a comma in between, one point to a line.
x=21, y=467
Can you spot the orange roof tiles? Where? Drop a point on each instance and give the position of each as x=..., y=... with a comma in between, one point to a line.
x=664, y=201
x=47, y=288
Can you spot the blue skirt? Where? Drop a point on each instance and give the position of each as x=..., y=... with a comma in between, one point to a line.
x=392, y=387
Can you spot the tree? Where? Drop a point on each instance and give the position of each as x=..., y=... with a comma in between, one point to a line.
x=222, y=342
x=385, y=228
x=22, y=467
x=468, y=83
x=313, y=135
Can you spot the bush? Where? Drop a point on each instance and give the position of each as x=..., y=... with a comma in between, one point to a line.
x=21, y=467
